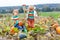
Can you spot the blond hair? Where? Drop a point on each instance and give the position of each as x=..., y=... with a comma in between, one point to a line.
x=31, y=7
x=15, y=10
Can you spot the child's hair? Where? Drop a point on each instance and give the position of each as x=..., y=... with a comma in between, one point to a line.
x=31, y=7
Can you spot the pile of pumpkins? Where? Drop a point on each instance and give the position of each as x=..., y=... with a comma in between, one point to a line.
x=38, y=28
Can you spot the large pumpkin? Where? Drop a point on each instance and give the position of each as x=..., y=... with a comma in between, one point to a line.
x=20, y=23
x=58, y=30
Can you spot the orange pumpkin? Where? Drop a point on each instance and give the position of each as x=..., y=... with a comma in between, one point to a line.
x=58, y=30
x=20, y=23
x=55, y=25
x=12, y=31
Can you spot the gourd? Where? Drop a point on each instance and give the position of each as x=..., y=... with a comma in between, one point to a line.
x=58, y=30
x=20, y=23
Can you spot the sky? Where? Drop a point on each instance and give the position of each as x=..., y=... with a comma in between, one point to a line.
x=27, y=2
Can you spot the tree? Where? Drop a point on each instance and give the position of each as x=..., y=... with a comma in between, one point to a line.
x=46, y=9
x=21, y=10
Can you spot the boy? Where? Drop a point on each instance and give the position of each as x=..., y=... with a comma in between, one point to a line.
x=15, y=16
x=31, y=16
x=18, y=24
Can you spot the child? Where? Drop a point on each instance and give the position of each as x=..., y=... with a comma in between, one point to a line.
x=18, y=24
x=31, y=16
x=15, y=16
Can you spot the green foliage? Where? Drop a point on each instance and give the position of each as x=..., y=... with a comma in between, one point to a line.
x=0, y=30
x=7, y=29
x=16, y=30
x=39, y=29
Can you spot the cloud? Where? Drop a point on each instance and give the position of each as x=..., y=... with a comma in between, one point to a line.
x=27, y=2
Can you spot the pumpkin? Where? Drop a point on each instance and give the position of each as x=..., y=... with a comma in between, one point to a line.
x=20, y=23
x=55, y=25
x=44, y=26
x=12, y=31
x=58, y=30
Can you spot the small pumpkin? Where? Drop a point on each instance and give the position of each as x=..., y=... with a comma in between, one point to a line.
x=12, y=31
x=20, y=23
x=55, y=25
x=58, y=30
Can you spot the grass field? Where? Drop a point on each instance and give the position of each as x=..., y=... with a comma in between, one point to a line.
x=53, y=14
x=44, y=14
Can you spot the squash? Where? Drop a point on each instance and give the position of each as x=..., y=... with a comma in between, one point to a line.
x=20, y=23
x=12, y=31
x=58, y=30
x=55, y=25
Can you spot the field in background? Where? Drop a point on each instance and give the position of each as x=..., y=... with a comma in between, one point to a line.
x=45, y=14
x=53, y=14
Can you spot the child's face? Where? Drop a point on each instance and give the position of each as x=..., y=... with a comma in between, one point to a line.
x=31, y=8
x=15, y=12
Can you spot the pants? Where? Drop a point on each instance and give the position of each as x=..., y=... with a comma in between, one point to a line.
x=31, y=23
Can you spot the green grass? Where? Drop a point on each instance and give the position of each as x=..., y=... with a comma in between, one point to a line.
x=46, y=14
